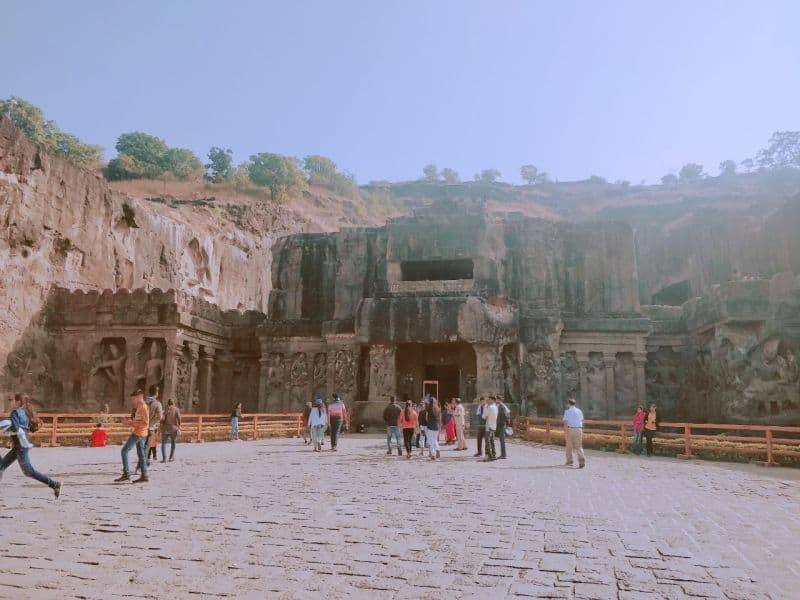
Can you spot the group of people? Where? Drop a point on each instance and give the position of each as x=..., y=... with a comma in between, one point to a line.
x=320, y=417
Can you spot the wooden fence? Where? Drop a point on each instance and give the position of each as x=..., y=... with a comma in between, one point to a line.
x=76, y=428
x=686, y=440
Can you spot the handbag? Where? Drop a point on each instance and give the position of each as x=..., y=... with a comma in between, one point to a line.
x=509, y=431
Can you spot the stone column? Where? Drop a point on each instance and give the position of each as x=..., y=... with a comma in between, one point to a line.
x=171, y=362
x=192, y=354
x=382, y=376
x=610, y=362
x=133, y=344
x=489, y=367
x=205, y=367
x=639, y=362
x=223, y=381
x=583, y=379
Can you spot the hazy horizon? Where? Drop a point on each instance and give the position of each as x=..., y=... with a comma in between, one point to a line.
x=625, y=90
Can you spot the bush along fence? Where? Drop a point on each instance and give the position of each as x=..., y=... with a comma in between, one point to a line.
x=74, y=429
x=770, y=445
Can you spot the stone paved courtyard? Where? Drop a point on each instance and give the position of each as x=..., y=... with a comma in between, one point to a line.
x=271, y=519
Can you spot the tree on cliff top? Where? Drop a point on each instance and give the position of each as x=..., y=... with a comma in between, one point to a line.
x=30, y=120
x=281, y=174
x=320, y=169
x=783, y=151
x=531, y=175
x=487, y=176
x=144, y=156
x=691, y=172
x=220, y=165
x=450, y=175
x=430, y=173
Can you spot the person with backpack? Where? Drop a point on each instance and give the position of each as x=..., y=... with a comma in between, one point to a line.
x=23, y=420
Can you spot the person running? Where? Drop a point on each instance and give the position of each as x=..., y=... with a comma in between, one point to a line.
x=338, y=416
x=21, y=419
x=650, y=427
x=306, y=429
x=503, y=419
x=637, y=424
x=99, y=437
x=422, y=420
x=408, y=423
x=317, y=422
x=156, y=411
x=391, y=416
x=490, y=419
x=573, y=432
x=434, y=420
x=479, y=414
x=170, y=430
x=459, y=416
x=139, y=425
x=236, y=414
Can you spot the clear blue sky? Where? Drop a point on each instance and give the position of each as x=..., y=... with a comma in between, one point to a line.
x=627, y=90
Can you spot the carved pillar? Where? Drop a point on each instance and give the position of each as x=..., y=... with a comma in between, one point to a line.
x=223, y=382
x=489, y=367
x=133, y=344
x=205, y=368
x=382, y=364
x=583, y=378
x=610, y=362
x=192, y=354
x=639, y=362
x=171, y=363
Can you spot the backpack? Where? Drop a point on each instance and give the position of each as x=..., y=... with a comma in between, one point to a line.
x=34, y=422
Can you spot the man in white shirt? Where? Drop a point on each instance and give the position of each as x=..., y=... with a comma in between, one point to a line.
x=573, y=433
x=490, y=417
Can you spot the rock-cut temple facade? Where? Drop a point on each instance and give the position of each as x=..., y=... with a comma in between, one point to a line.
x=454, y=300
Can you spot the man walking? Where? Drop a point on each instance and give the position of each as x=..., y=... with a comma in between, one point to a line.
x=573, y=432
x=338, y=415
x=391, y=416
x=479, y=414
x=503, y=419
x=156, y=411
x=490, y=418
x=139, y=425
x=170, y=430
x=459, y=415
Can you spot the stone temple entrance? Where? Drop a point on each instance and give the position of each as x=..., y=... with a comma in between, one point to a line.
x=453, y=365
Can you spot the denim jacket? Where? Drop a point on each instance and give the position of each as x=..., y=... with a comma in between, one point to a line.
x=19, y=427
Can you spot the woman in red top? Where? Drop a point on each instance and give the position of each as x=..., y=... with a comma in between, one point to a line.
x=408, y=422
x=638, y=429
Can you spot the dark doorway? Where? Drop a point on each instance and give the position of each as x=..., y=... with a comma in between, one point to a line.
x=452, y=364
x=448, y=377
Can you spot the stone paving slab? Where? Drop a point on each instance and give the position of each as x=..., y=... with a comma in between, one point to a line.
x=271, y=519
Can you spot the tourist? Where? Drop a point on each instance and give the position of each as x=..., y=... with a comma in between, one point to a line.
x=422, y=425
x=170, y=430
x=317, y=422
x=479, y=414
x=638, y=429
x=503, y=419
x=20, y=422
x=573, y=433
x=449, y=422
x=99, y=437
x=650, y=426
x=152, y=445
x=236, y=414
x=139, y=426
x=459, y=416
x=156, y=412
x=391, y=417
x=422, y=420
x=490, y=419
x=408, y=423
x=434, y=421
x=305, y=427
x=338, y=417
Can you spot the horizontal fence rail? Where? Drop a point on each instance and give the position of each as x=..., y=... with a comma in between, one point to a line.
x=76, y=428
x=685, y=440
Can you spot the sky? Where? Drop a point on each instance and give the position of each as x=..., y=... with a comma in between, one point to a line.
x=628, y=90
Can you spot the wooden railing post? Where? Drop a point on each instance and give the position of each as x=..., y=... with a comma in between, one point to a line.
x=770, y=462
x=199, y=428
x=299, y=425
x=687, y=441
x=622, y=440
x=547, y=432
x=54, y=432
x=255, y=427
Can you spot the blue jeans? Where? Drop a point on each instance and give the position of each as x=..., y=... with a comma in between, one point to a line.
x=234, y=428
x=164, y=437
x=336, y=425
x=637, y=442
x=134, y=440
x=392, y=430
x=22, y=456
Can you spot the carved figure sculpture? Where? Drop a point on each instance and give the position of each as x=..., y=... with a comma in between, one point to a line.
x=153, y=367
x=112, y=368
x=344, y=371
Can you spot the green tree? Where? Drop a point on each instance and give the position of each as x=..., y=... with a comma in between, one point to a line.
x=279, y=173
x=139, y=156
x=31, y=121
x=430, y=173
x=727, y=168
x=487, y=176
x=450, y=175
x=691, y=172
x=530, y=174
x=748, y=164
x=183, y=164
x=669, y=179
x=219, y=165
x=319, y=168
x=597, y=179
x=783, y=151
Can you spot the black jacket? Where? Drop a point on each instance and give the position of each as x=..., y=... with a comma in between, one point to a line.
x=391, y=414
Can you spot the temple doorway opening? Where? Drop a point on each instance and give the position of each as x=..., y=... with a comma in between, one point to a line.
x=452, y=365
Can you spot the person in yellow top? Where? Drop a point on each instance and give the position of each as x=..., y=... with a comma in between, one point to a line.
x=650, y=427
x=138, y=424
